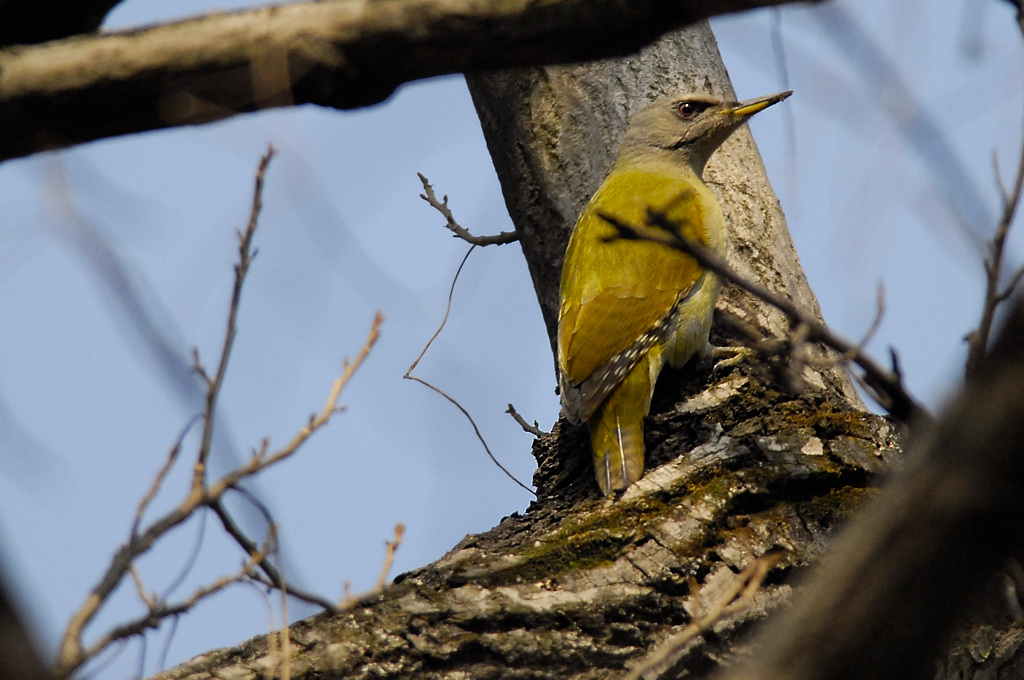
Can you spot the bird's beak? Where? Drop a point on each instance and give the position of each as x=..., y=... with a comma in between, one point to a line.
x=751, y=106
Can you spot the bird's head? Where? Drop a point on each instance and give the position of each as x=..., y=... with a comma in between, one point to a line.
x=689, y=127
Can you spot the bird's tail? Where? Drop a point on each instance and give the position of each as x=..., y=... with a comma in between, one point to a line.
x=617, y=428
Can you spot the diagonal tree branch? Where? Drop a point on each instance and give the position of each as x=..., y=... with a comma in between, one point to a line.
x=338, y=53
x=886, y=386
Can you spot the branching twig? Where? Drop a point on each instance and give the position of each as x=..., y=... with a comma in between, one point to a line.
x=734, y=600
x=158, y=481
x=531, y=429
x=885, y=386
x=978, y=340
x=214, y=384
x=73, y=652
x=409, y=376
x=161, y=611
x=389, y=557
x=350, y=601
x=458, y=230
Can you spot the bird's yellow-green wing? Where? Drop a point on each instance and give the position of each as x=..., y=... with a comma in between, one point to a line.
x=613, y=290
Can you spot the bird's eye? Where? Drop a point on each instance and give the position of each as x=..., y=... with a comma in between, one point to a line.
x=689, y=110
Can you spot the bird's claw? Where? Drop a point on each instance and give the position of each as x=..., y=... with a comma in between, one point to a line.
x=729, y=357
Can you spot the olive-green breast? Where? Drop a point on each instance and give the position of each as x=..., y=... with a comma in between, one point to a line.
x=613, y=291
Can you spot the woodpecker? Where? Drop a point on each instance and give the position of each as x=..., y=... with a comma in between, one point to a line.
x=628, y=306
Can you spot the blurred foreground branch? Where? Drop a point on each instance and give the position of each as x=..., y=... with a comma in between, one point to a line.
x=906, y=570
x=340, y=53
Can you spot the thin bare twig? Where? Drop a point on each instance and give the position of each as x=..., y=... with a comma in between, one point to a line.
x=531, y=429
x=864, y=340
x=245, y=256
x=350, y=601
x=409, y=376
x=877, y=321
x=284, y=634
x=161, y=611
x=884, y=386
x=140, y=588
x=274, y=578
x=158, y=481
x=73, y=652
x=978, y=340
x=734, y=600
x=458, y=230
x=162, y=660
x=389, y=557
x=193, y=558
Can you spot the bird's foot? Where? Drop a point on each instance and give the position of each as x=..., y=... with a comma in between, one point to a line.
x=729, y=357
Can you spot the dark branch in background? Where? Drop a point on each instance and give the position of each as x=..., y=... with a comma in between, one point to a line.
x=977, y=341
x=147, y=323
x=19, y=657
x=886, y=386
x=907, y=569
x=74, y=651
x=336, y=53
x=24, y=22
x=884, y=83
x=274, y=579
x=409, y=376
x=461, y=232
x=1019, y=6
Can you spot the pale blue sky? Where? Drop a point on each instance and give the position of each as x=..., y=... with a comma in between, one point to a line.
x=86, y=416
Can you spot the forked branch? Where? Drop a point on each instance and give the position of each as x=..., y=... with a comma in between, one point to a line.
x=457, y=229
x=74, y=651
